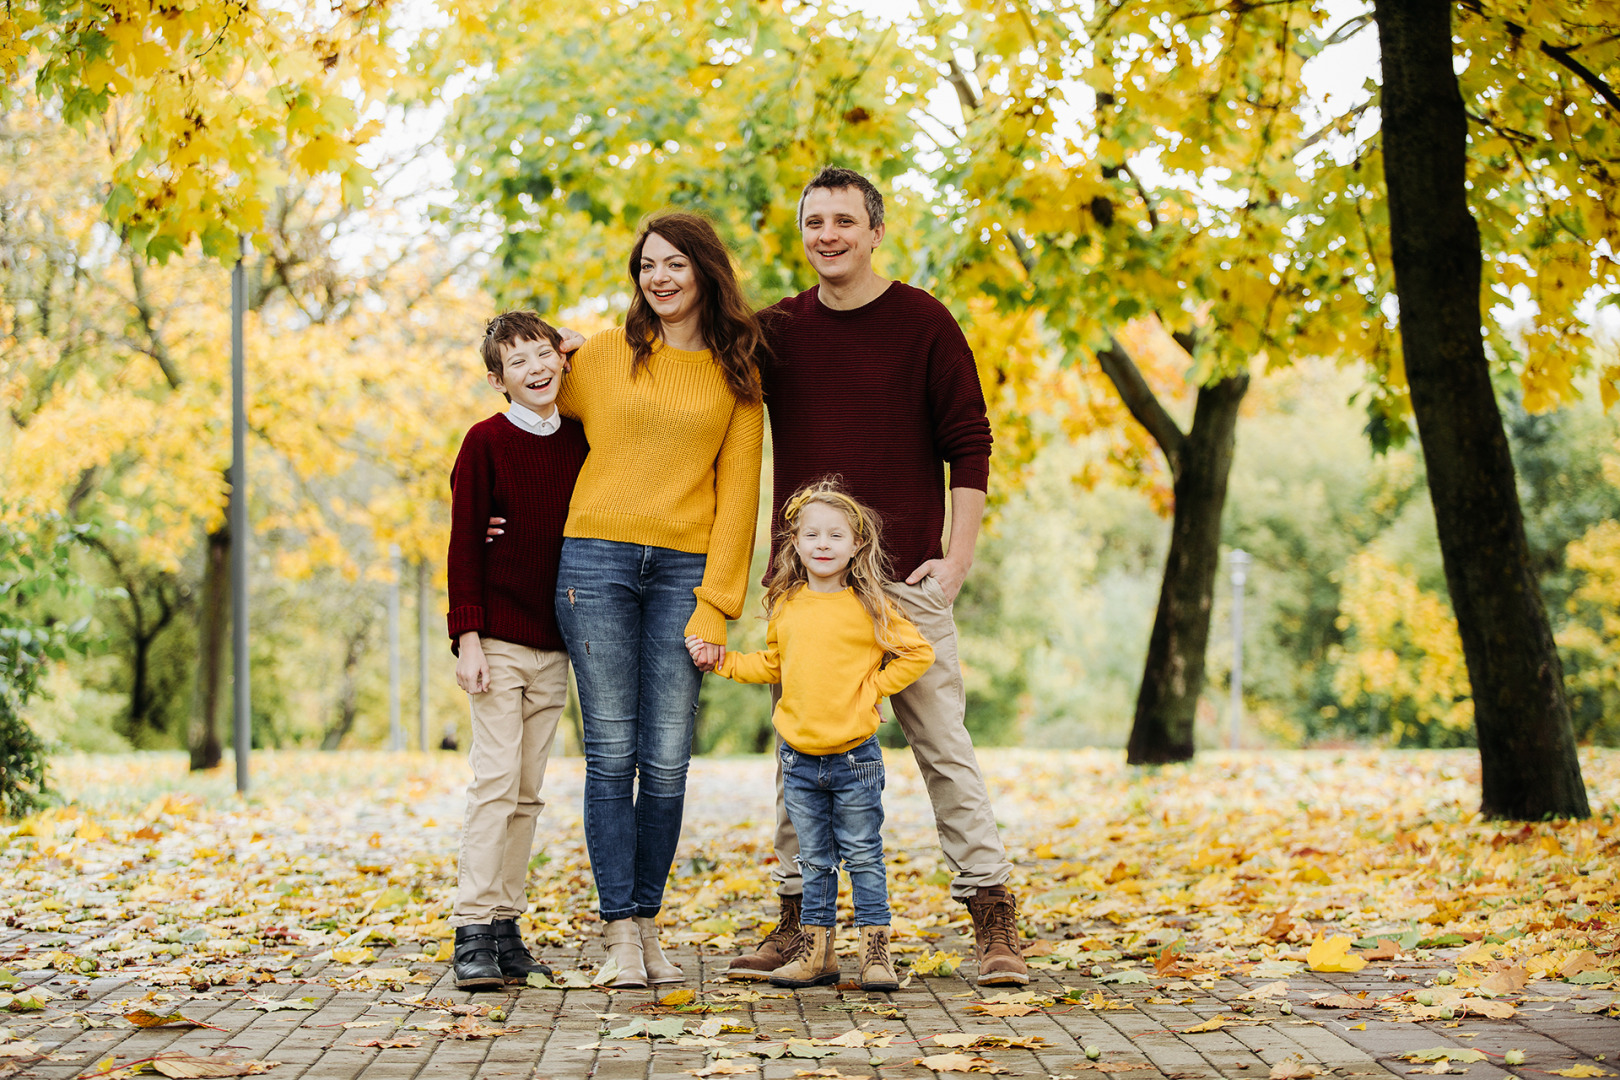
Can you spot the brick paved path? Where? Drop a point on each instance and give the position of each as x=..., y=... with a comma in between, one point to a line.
x=1139, y=1028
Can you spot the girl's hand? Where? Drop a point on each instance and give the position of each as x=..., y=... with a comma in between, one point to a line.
x=472, y=668
x=494, y=529
x=706, y=656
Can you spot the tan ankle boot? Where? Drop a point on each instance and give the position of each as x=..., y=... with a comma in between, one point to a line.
x=877, y=972
x=772, y=952
x=624, y=949
x=996, y=946
x=810, y=959
x=659, y=969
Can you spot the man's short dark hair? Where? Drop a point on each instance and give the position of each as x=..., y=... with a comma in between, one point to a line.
x=510, y=327
x=835, y=179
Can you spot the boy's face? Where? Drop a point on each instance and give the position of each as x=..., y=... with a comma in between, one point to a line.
x=531, y=374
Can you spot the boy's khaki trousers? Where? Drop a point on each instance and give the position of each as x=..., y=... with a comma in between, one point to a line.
x=931, y=712
x=513, y=724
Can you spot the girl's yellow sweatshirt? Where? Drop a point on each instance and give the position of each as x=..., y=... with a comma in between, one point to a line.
x=674, y=463
x=823, y=650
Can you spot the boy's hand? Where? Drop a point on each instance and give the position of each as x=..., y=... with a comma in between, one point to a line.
x=472, y=668
x=571, y=340
x=706, y=656
x=494, y=530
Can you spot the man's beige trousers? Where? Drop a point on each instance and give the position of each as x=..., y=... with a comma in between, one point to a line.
x=931, y=712
x=513, y=724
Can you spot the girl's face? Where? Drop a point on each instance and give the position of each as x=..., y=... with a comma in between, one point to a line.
x=825, y=542
x=668, y=281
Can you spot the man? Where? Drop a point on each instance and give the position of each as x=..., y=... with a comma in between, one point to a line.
x=872, y=380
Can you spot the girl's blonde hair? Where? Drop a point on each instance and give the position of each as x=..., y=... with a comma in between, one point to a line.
x=868, y=567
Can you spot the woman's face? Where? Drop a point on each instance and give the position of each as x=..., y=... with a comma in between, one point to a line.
x=668, y=281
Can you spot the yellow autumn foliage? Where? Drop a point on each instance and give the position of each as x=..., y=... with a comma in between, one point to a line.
x=1402, y=651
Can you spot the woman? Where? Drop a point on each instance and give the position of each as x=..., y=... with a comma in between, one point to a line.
x=657, y=546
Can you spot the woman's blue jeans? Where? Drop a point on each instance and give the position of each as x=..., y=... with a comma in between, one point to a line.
x=622, y=609
x=835, y=802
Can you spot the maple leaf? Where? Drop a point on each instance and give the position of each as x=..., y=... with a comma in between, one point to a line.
x=1333, y=954
x=1293, y=1067
x=958, y=1063
x=1581, y=1070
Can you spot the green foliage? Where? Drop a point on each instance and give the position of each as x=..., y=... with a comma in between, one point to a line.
x=35, y=570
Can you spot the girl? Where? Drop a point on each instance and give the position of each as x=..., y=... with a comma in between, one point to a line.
x=836, y=645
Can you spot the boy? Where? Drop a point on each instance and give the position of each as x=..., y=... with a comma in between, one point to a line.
x=520, y=465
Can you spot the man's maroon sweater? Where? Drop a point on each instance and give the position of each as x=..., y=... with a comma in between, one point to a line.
x=883, y=396
x=507, y=589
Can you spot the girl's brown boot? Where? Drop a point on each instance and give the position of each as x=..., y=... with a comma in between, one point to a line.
x=877, y=971
x=810, y=959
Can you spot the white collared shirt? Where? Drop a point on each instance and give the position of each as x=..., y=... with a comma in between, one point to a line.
x=533, y=422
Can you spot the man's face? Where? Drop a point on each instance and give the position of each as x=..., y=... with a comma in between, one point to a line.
x=837, y=233
x=531, y=374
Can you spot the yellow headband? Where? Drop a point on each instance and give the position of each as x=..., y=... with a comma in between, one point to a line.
x=790, y=512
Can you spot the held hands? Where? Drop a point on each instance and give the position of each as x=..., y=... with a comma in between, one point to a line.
x=706, y=656
x=472, y=668
x=949, y=575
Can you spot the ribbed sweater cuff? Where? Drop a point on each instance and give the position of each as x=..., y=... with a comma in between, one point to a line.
x=973, y=472
x=463, y=619
x=708, y=623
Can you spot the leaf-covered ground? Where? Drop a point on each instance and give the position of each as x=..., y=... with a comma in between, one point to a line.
x=1255, y=866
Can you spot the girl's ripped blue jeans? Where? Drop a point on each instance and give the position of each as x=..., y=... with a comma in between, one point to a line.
x=835, y=802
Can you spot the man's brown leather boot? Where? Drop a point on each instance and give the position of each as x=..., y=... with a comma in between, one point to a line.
x=772, y=952
x=996, y=946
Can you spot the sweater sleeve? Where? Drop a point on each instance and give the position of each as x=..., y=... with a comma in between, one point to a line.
x=572, y=393
x=956, y=404
x=471, y=496
x=912, y=656
x=736, y=512
x=754, y=667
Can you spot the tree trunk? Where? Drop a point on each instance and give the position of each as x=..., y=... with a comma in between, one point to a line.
x=204, y=740
x=1526, y=744
x=348, y=704
x=1173, y=676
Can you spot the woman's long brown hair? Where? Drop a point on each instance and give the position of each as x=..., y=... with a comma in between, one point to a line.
x=728, y=325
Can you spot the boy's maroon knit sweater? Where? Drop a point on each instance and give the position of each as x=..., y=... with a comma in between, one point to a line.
x=506, y=589
x=883, y=396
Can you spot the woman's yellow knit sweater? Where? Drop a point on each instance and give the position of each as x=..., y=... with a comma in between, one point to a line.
x=674, y=462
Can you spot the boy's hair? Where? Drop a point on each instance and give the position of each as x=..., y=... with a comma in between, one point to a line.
x=868, y=567
x=835, y=179
x=510, y=327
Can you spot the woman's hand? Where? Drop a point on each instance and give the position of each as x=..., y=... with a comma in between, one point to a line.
x=494, y=529
x=705, y=655
x=472, y=668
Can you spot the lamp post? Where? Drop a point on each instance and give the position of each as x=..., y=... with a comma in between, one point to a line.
x=396, y=736
x=1239, y=562
x=242, y=718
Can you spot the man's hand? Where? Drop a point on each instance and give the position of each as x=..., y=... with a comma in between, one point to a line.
x=494, y=529
x=949, y=575
x=705, y=655
x=571, y=340
x=472, y=668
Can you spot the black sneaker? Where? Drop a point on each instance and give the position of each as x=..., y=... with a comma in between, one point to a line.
x=477, y=963
x=516, y=963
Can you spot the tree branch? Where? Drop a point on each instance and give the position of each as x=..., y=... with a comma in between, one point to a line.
x=1142, y=402
x=143, y=308
x=1584, y=73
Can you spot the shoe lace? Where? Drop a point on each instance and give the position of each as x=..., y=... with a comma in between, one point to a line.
x=997, y=921
x=877, y=951
x=796, y=947
x=785, y=930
